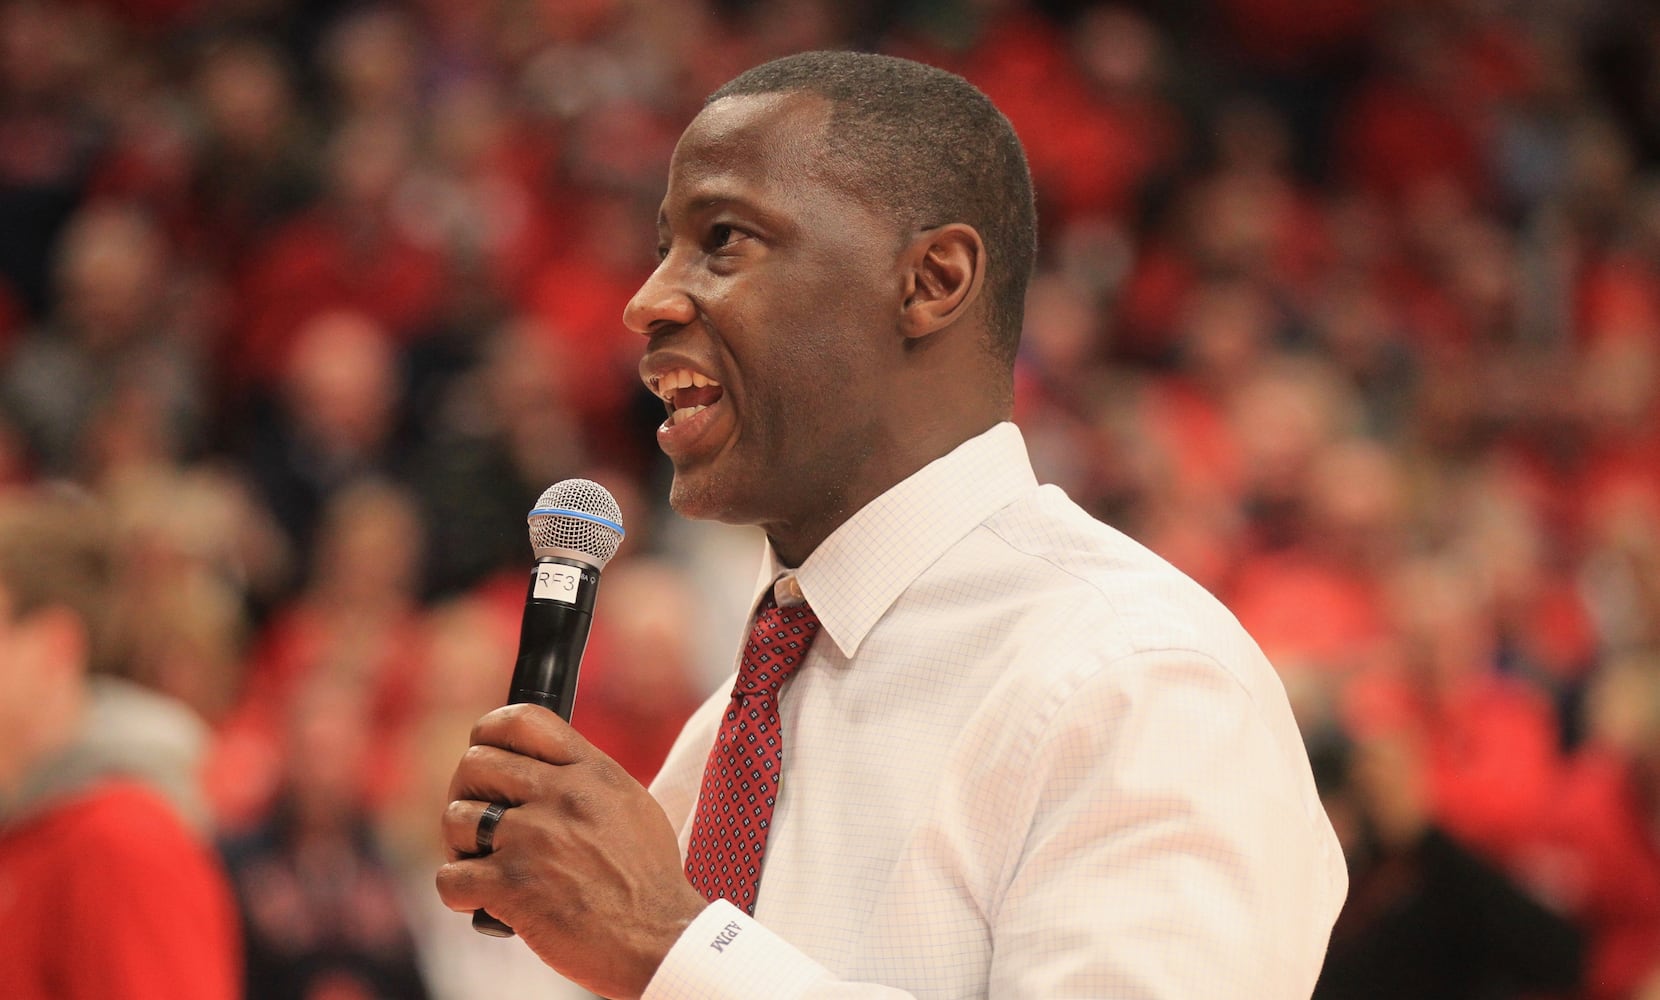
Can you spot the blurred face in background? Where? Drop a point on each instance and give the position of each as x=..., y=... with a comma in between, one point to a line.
x=110, y=272
x=327, y=753
x=246, y=96
x=341, y=382
x=40, y=670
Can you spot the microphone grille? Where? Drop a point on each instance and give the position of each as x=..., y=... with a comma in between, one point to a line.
x=576, y=517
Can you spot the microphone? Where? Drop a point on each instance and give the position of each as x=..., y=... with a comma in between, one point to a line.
x=575, y=529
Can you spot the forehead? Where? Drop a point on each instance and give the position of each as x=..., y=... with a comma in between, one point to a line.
x=756, y=146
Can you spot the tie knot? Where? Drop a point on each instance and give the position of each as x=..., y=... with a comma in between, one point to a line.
x=777, y=644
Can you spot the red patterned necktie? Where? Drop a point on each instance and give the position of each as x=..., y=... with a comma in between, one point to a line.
x=740, y=781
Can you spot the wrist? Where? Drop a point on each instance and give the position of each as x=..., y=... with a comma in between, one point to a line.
x=673, y=917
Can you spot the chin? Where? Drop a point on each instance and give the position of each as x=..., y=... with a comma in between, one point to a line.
x=702, y=498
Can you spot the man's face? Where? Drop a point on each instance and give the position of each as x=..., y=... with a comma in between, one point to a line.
x=773, y=319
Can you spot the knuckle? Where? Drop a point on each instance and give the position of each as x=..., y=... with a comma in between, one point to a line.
x=516, y=712
x=610, y=773
x=457, y=813
x=476, y=757
x=576, y=801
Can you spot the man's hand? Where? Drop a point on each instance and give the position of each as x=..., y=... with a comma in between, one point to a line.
x=585, y=866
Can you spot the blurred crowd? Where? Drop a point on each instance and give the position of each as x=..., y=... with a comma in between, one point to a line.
x=1349, y=308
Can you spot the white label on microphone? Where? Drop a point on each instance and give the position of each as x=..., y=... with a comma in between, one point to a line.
x=556, y=582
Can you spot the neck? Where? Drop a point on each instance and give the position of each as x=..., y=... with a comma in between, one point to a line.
x=942, y=390
x=50, y=727
x=924, y=441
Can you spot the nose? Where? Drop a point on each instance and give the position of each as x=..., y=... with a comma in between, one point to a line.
x=660, y=303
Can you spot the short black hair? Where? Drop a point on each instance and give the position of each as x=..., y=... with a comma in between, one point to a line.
x=930, y=147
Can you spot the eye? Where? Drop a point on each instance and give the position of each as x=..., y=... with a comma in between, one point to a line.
x=662, y=252
x=722, y=235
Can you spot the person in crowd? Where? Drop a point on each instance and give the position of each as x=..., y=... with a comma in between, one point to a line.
x=1427, y=917
x=321, y=910
x=109, y=886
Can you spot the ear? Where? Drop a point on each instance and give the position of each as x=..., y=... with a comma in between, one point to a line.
x=946, y=266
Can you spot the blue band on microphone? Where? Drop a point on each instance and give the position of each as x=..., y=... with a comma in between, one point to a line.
x=580, y=515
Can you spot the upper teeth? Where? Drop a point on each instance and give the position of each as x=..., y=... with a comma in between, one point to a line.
x=680, y=378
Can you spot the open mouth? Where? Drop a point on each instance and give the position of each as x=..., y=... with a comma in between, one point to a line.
x=685, y=393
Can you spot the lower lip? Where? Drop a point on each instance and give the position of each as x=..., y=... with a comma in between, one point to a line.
x=693, y=434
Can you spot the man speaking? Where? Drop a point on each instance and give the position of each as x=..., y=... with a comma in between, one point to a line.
x=978, y=744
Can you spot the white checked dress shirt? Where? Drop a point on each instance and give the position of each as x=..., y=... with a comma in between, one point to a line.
x=1026, y=758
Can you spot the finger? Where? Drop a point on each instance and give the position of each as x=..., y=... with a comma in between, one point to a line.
x=533, y=731
x=459, y=827
x=467, y=884
x=491, y=774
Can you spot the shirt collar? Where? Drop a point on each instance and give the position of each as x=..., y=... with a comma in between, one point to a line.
x=856, y=574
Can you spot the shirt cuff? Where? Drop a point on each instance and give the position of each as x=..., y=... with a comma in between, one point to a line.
x=726, y=954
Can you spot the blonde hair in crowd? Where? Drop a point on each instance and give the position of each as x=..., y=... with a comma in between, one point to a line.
x=55, y=552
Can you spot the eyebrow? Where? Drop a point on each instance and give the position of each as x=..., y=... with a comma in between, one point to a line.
x=704, y=203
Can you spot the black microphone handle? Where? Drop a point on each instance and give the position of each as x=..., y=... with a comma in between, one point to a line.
x=559, y=608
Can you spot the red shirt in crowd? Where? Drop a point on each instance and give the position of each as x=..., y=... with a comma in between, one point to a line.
x=108, y=894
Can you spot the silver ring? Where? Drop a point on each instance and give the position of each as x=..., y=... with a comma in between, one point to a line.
x=485, y=839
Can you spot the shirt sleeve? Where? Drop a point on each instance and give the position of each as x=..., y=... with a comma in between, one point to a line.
x=1176, y=847
x=729, y=955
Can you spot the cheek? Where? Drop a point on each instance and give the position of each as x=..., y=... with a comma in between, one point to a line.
x=810, y=377
x=809, y=350
x=23, y=680
x=817, y=422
